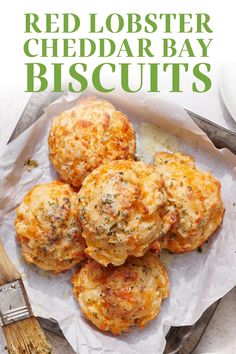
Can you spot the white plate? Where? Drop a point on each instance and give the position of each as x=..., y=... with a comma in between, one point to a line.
x=227, y=85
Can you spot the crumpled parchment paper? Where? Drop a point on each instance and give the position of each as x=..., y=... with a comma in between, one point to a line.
x=197, y=279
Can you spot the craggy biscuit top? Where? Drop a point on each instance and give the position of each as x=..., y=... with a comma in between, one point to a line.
x=121, y=208
x=91, y=133
x=196, y=197
x=116, y=298
x=48, y=229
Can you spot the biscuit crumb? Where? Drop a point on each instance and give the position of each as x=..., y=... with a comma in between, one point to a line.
x=30, y=164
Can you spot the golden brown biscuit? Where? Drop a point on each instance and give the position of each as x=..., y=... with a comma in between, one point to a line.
x=121, y=207
x=48, y=229
x=90, y=134
x=116, y=298
x=196, y=196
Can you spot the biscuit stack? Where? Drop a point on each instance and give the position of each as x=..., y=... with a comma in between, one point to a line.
x=115, y=215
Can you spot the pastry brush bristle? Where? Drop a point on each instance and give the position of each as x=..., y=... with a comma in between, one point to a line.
x=26, y=337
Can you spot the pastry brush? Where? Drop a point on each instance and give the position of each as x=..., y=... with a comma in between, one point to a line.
x=21, y=329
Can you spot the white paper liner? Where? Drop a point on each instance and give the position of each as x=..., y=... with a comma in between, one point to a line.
x=197, y=279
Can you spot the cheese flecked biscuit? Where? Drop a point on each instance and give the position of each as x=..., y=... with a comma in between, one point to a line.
x=121, y=208
x=196, y=197
x=47, y=227
x=117, y=298
x=91, y=133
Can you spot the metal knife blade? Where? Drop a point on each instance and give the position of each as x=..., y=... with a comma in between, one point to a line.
x=221, y=137
x=183, y=340
x=33, y=111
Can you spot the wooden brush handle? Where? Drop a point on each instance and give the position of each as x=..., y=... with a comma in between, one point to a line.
x=24, y=336
x=8, y=272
